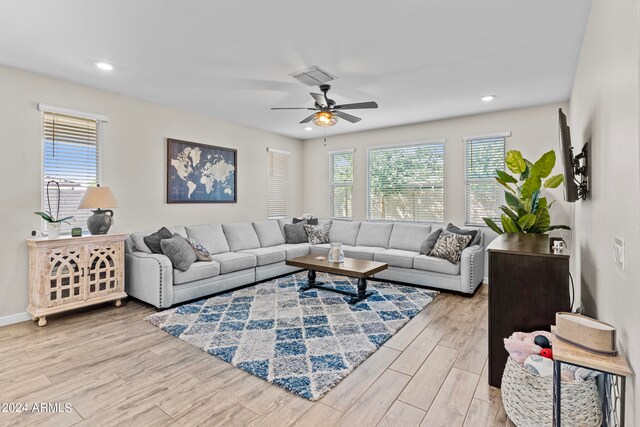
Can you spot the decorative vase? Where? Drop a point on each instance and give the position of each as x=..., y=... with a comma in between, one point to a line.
x=336, y=254
x=53, y=230
x=100, y=221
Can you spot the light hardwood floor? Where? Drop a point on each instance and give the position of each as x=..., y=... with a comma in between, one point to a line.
x=116, y=369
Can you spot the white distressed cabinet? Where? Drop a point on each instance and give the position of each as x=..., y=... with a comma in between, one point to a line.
x=73, y=272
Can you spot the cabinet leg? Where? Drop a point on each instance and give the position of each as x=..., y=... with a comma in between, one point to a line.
x=118, y=302
x=34, y=318
x=42, y=321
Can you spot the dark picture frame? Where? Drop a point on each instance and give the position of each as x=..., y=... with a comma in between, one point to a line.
x=189, y=182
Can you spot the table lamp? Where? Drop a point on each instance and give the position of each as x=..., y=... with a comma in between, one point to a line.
x=96, y=199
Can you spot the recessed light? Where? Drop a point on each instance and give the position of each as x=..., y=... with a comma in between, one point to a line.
x=105, y=66
x=488, y=98
x=308, y=128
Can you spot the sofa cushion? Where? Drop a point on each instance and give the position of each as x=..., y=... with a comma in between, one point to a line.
x=284, y=221
x=360, y=252
x=344, y=232
x=198, y=270
x=437, y=265
x=141, y=246
x=266, y=256
x=179, y=251
x=269, y=233
x=241, y=235
x=322, y=249
x=374, y=234
x=295, y=233
x=234, y=261
x=294, y=250
x=408, y=237
x=210, y=236
x=396, y=257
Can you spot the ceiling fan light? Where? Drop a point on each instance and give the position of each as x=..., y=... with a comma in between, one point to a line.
x=325, y=119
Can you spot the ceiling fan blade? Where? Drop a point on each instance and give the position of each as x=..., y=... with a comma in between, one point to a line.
x=308, y=119
x=292, y=108
x=347, y=117
x=320, y=99
x=356, y=106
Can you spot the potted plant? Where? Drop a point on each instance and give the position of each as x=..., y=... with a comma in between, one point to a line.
x=53, y=222
x=526, y=210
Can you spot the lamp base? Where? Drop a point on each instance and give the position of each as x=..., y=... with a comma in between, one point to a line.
x=100, y=222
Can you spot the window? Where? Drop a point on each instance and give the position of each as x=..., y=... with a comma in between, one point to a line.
x=71, y=158
x=406, y=183
x=341, y=183
x=278, y=167
x=483, y=195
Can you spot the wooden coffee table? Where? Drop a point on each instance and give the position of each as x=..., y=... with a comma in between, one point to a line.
x=358, y=268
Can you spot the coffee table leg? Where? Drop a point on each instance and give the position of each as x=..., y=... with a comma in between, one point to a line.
x=311, y=283
x=362, y=291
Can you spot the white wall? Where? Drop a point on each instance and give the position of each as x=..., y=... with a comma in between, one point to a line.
x=134, y=166
x=533, y=131
x=605, y=111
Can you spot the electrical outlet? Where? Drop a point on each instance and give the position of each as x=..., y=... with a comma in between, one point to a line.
x=618, y=252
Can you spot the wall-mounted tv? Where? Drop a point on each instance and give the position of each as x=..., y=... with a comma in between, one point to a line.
x=573, y=167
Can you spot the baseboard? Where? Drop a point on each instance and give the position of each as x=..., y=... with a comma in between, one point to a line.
x=14, y=318
x=485, y=280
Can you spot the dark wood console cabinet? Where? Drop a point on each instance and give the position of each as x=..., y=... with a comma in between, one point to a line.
x=528, y=284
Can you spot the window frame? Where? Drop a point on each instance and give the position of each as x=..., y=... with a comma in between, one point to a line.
x=99, y=143
x=437, y=141
x=470, y=140
x=342, y=184
x=274, y=151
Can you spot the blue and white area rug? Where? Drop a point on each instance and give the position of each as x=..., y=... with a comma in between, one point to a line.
x=305, y=342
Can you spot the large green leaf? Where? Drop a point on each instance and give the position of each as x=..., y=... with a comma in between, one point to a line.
x=543, y=221
x=524, y=175
x=515, y=162
x=506, y=177
x=535, y=200
x=556, y=227
x=530, y=186
x=507, y=186
x=512, y=201
x=545, y=164
x=492, y=225
x=508, y=225
x=542, y=202
x=511, y=214
x=553, y=181
x=527, y=221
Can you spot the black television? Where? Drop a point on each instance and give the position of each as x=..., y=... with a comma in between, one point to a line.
x=571, y=193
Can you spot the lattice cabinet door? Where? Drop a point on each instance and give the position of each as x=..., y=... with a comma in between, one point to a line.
x=73, y=272
x=104, y=274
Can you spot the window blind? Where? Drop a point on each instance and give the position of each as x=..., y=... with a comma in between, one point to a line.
x=341, y=184
x=483, y=194
x=406, y=183
x=277, y=194
x=71, y=157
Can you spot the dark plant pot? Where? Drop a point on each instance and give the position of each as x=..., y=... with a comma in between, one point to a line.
x=100, y=221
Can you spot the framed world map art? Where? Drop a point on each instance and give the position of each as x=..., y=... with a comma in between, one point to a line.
x=199, y=173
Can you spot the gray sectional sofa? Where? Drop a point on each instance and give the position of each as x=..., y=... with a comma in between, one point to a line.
x=245, y=253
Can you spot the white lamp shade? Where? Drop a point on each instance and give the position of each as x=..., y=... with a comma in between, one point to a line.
x=98, y=198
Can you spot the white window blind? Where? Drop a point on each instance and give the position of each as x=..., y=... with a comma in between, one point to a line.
x=277, y=194
x=71, y=157
x=341, y=184
x=406, y=183
x=483, y=194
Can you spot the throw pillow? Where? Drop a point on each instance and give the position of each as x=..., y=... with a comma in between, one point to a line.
x=201, y=252
x=430, y=241
x=295, y=233
x=465, y=232
x=311, y=221
x=179, y=251
x=449, y=246
x=153, y=240
x=318, y=234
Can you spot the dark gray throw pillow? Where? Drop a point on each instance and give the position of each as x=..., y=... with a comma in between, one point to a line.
x=463, y=232
x=312, y=221
x=450, y=246
x=430, y=241
x=295, y=233
x=179, y=251
x=153, y=240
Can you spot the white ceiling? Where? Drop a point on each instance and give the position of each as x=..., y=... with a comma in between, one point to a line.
x=419, y=59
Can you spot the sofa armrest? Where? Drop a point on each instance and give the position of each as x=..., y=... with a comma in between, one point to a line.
x=471, y=268
x=149, y=277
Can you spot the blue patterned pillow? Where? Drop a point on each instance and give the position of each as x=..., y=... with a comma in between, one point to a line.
x=201, y=252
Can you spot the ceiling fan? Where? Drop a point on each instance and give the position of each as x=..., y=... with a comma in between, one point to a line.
x=327, y=111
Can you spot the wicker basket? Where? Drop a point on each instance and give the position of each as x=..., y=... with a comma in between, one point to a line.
x=528, y=399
